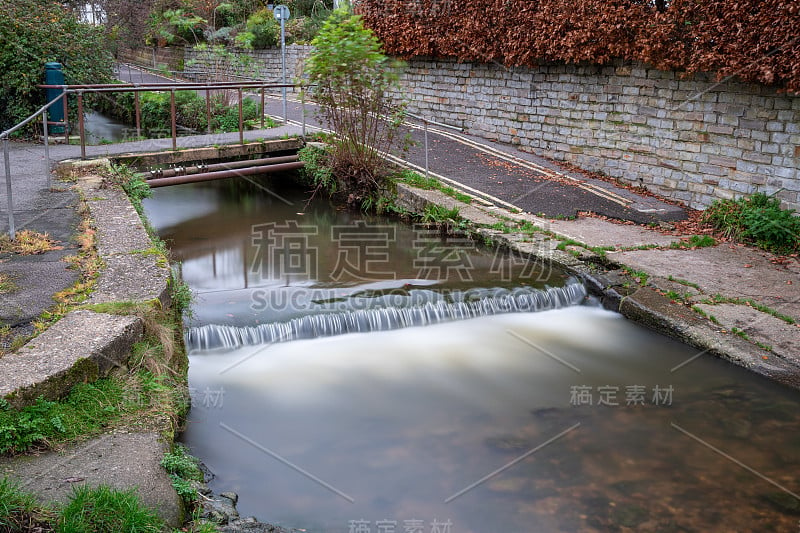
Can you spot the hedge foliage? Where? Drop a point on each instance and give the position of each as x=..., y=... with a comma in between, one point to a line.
x=33, y=32
x=756, y=40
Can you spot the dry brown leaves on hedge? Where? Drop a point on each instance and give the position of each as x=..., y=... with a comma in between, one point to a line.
x=755, y=40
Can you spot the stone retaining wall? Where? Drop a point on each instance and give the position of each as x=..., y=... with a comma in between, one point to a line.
x=693, y=140
x=170, y=58
x=264, y=64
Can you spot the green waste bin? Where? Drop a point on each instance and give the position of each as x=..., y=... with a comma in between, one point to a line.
x=53, y=75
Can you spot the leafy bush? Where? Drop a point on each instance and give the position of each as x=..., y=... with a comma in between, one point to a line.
x=33, y=32
x=182, y=468
x=180, y=463
x=175, y=26
x=228, y=120
x=317, y=170
x=758, y=219
x=190, y=110
x=262, y=31
x=307, y=8
x=303, y=29
x=353, y=77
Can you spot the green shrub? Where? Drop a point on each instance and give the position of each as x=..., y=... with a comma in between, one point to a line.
x=262, y=31
x=303, y=29
x=182, y=469
x=758, y=219
x=317, y=171
x=353, y=78
x=183, y=465
x=33, y=32
x=103, y=509
x=228, y=118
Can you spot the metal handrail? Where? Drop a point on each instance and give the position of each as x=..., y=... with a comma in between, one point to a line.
x=4, y=136
x=79, y=90
x=172, y=87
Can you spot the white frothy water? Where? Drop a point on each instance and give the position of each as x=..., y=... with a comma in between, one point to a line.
x=501, y=301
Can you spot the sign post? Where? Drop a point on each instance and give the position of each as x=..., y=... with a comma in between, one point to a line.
x=282, y=15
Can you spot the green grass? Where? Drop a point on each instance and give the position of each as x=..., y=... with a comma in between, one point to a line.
x=719, y=299
x=89, y=509
x=103, y=509
x=695, y=241
x=6, y=285
x=417, y=180
x=677, y=296
x=640, y=276
x=87, y=410
x=569, y=242
x=757, y=219
x=684, y=282
x=18, y=509
x=702, y=313
x=438, y=214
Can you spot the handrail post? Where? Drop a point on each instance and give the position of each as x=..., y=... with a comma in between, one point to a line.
x=66, y=117
x=262, y=107
x=241, y=118
x=12, y=231
x=46, y=149
x=303, y=109
x=208, y=111
x=138, y=111
x=173, y=119
x=81, y=125
x=425, y=121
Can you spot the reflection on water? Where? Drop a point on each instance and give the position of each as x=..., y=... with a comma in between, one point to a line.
x=102, y=129
x=564, y=420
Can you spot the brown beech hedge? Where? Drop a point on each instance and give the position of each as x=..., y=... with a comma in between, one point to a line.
x=755, y=40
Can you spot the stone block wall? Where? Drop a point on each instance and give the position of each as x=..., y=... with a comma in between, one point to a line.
x=262, y=64
x=170, y=58
x=693, y=140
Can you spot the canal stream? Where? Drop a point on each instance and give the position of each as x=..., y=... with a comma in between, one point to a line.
x=560, y=416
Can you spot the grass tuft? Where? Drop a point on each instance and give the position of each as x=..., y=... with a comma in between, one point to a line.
x=757, y=219
x=28, y=242
x=105, y=509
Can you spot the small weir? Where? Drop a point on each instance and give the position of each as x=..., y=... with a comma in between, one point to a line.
x=407, y=311
x=519, y=407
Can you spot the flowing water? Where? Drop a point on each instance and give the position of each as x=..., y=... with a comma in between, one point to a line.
x=321, y=398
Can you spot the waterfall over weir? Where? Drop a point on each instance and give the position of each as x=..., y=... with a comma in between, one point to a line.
x=457, y=306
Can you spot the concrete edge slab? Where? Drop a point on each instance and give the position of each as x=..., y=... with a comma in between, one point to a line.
x=649, y=308
x=83, y=346
x=645, y=306
x=132, y=273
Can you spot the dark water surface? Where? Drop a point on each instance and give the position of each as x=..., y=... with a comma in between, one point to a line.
x=569, y=419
